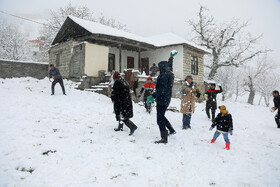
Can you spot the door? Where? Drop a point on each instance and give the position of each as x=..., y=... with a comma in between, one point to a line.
x=111, y=62
x=130, y=62
x=145, y=65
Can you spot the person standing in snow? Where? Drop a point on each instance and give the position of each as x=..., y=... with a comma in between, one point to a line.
x=189, y=93
x=122, y=103
x=163, y=95
x=148, y=89
x=223, y=122
x=211, y=100
x=56, y=76
x=111, y=84
x=154, y=69
x=276, y=101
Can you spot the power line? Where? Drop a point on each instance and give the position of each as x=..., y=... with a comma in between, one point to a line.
x=26, y=19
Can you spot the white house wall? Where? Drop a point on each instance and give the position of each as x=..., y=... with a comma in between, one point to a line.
x=96, y=58
x=163, y=54
x=124, y=55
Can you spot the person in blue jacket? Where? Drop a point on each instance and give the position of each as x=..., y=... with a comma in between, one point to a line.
x=55, y=74
x=163, y=97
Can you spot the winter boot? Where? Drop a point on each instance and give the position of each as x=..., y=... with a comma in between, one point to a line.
x=213, y=140
x=163, y=138
x=133, y=130
x=227, y=146
x=186, y=127
x=172, y=133
x=130, y=125
x=120, y=127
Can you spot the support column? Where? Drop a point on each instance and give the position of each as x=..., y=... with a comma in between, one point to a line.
x=139, y=60
x=120, y=58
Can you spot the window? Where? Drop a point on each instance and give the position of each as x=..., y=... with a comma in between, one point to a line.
x=130, y=62
x=111, y=64
x=58, y=59
x=194, y=65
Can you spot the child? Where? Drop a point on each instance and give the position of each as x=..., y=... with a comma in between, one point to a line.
x=223, y=121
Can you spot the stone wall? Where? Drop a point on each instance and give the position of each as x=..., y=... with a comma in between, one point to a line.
x=66, y=51
x=188, y=53
x=10, y=69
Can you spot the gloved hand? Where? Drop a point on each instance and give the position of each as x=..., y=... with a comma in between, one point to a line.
x=211, y=128
x=198, y=95
x=205, y=96
x=150, y=100
x=118, y=117
x=219, y=85
x=230, y=132
x=173, y=53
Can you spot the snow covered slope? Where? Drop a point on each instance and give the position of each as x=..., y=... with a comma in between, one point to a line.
x=69, y=141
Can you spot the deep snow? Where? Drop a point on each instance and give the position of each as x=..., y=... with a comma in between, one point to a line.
x=86, y=151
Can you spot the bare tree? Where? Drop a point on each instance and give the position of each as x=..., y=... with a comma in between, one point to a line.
x=12, y=42
x=228, y=43
x=255, y=73
x=266, y=85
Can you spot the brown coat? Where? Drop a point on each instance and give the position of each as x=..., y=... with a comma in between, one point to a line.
x=189, y=94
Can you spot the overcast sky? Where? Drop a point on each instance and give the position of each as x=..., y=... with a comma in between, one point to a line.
x=150, y=17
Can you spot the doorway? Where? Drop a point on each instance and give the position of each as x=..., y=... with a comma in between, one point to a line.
x=111, y=62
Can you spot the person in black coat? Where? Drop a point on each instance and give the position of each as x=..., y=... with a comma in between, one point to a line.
x=223, y=122
x=122, y=103
x=163, y=97
x=211, y=100
x=276, y=101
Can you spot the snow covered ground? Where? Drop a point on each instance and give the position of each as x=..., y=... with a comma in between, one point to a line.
x=69, y=141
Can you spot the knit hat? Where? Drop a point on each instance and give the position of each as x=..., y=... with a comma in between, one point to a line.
x=116, y=75
x=150, y=77
x=223, y=109
x=189, y=76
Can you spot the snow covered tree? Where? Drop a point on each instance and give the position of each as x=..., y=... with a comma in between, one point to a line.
x=228, y=42
x=266, y=84
x=255, y=73
x=12, y=42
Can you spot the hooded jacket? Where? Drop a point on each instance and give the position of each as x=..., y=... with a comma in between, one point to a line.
x=211, y=101
x=189, y=94
x=223, y=122
x=122, y=99
x=164, y=85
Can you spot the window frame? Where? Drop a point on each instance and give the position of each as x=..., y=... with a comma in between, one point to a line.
x=58, y=59
x=194, y=65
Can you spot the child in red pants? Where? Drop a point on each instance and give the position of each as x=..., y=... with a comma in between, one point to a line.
x=223, y=121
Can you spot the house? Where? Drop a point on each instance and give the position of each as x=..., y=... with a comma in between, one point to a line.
x=82, y=47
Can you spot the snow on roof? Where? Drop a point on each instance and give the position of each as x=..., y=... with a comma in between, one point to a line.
x=169, y=38
x=161, y=40
x=97, y=28
x=22, y=61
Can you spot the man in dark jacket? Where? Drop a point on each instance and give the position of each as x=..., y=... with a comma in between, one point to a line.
x=56, y=76
x=122, y=103
x=276, y=101
x=163, y=96
x=154, y=69
x=211, y=100
x=223, y=121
